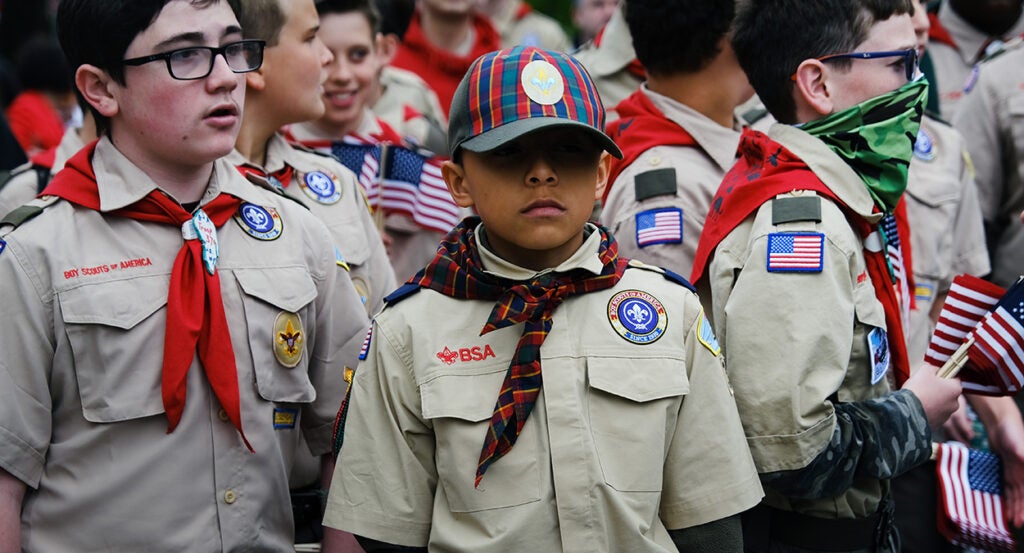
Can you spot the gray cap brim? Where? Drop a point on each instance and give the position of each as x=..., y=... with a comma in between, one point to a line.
x=499, y=136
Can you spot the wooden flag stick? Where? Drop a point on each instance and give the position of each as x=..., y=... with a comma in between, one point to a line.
x=956, y=361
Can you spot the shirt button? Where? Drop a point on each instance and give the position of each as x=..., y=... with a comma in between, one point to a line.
x=223, y=415
x=655, y=160
x=230, y=497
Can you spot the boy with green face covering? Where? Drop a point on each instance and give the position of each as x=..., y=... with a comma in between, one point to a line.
x=805, y=267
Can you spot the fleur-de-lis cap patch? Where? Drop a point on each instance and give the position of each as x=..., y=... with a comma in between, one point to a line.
x=542, y=82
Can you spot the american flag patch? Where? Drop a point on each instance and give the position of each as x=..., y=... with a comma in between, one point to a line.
x=659, y=226
x=366, y=345
x=795, y=252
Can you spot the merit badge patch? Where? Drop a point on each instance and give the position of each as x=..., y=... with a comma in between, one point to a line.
x=259, y=222
x=706, y=334
x=321, y=186
x=795, y=252
x=285, y=417
x=542, y=82
x=924, y=147
x=288, y=339
x=366, y=344
x=659, y=226
x=637, y=316
x=878, y=343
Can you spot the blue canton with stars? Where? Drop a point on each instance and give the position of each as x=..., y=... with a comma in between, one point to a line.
x=984, y=472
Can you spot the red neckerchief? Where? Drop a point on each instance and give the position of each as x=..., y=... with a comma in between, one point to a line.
x=937, y=32
x=522, y=11
x=634, y=67
x=387, y=135
x=456, y=272
x=45, y=158
x=195, y=311
x=765, y=170
x=283, y=175
x=640, y=127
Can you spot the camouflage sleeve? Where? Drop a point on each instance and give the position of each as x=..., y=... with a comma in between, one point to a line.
x=878, y=438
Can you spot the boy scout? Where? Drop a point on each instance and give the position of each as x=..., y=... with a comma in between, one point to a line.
x=631, y=441
x=172, y=328
x=801, y=254
x=677, y=137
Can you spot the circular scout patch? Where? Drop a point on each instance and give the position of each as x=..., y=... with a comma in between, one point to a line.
x=321, y=186
x=542, y=82
x=259, y=222
x=637, y=316
x=288, y=338
x=924, y=148
x=363, y=289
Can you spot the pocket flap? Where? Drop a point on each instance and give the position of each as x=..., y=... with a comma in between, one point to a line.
x=123, y=305
x=287, y=288
x=638, y=379
x=470, y=397
x=355, y=252
x=868, y=309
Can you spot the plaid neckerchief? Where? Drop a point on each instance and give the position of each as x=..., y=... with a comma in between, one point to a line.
x=456, y=272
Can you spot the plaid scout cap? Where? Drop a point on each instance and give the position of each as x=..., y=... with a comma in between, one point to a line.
x=512, y=92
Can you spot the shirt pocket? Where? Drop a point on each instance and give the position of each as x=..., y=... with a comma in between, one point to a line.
x=116, y=334
x=460, y=408
x=277, y=302
x=935, y=207
x=632, y=407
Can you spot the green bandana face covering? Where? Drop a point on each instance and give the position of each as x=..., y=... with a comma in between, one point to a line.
x=876, y=139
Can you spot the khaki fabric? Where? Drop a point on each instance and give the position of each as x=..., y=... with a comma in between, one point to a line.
x=82, y=419
x=348, y=217
x=698, y=172
x=953, y=65
x=991, y=119
x=24, y=182
x=946, y=232
x=625, y=440
x=403, y=89
x=794, y=341
x=607, y=63
x=532, y=29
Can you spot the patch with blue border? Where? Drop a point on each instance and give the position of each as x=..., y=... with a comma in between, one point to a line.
x=321, y=186
x=285, y=417
x=706, y=334
x=366, y=344
x=659, y=226
x=637, y=316
x=262, y=223
x=795, y=252
x=3, y=246
x=924, y=292
x=924, y=146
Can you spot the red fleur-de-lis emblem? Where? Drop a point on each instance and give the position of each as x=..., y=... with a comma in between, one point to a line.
x=447, y=356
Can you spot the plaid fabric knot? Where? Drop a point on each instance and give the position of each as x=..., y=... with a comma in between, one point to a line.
x=456, y=272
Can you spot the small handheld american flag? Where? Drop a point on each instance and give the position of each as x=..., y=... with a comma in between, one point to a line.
x=970, y=498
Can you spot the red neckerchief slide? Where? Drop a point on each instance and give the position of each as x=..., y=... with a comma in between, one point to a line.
x=640, y=127
x=195, y=312
x=767, y=169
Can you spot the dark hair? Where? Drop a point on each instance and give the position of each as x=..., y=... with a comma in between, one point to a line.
x=773, y=37
x=678, y=36
x=395, y=16
x=42, y=66
x=99, y=32
x=261, y=19
x=365, y=7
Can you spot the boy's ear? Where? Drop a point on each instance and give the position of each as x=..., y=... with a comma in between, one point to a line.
x=97, y=87
x=604, y=167
x=811, y=90
x=387, y=47
x=455, y=177
x=256, y=80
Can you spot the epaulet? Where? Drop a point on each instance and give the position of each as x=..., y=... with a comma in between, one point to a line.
x=401, y=293
x=754, y=114
x=671, y=276
x=8, y=176
x=19, y=215
x=1008, y=46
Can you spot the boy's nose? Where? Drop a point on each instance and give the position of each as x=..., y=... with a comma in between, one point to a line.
x=541, y=172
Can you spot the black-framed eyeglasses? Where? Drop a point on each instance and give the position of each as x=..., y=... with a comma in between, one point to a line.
x=910, y=56
x=196, y=62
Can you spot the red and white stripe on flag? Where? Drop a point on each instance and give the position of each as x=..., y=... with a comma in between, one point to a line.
x=969, y=299
x=970, y=498
x=998, y=338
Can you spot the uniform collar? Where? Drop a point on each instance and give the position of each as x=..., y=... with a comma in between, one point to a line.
x=969, y=41
x=719, y=142
x=615, y=51
x=586, y=257
x=69, y=145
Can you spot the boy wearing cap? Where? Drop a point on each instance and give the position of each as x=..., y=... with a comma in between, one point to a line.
x=568, y=400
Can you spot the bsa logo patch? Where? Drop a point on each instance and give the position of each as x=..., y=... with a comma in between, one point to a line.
x=262, y=223
x=321, y=186
x=542, y=82
x=924, y=148
x=288, y=339
x=476, y=353
x=284, y=417
x=637, y=316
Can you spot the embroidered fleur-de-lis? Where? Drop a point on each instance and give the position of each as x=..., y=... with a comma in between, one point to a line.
x=290, y=339
x=543, y=82
x=639, y=315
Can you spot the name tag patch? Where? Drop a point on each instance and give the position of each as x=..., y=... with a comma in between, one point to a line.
x=795, y=252
x=284, y=417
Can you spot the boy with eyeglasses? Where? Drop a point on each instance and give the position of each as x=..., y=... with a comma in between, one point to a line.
x=171, y=328
x=804, y=265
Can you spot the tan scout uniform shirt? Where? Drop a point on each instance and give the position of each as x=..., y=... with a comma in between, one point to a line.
x=947, y=237
x=24, y=182
x=625, y=440
x=82, y=420
x=532, y=29
x=697, y=173
x=953, y=66
x=401, y=89
x=607, y=63
x=992, y=122
x=345, y=213
x=788, y=337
